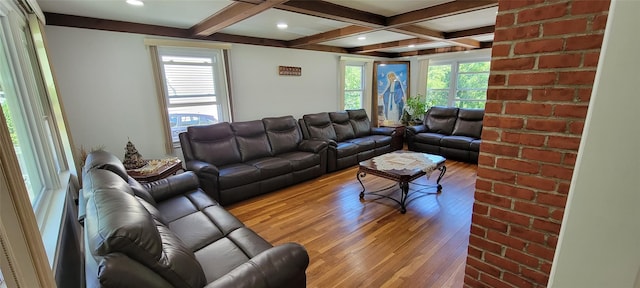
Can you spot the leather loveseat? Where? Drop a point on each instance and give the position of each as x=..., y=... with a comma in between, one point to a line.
x=239, y=160
x=350, y=136
x=448, y=131
x=169, y=233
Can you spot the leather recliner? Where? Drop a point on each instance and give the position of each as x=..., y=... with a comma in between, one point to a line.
x=448, y=131
x=239, y=160
x=350, y=136
x=169, y=233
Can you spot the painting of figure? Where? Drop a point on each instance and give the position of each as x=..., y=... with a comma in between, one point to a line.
x=392, y=80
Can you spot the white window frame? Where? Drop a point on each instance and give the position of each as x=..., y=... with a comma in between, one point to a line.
x=480, y=55
x=192, y=49
x=362, y=83
x=33, y=238
x=367, y=75
x=452, y=97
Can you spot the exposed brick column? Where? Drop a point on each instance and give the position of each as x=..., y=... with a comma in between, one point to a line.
x=542, y=71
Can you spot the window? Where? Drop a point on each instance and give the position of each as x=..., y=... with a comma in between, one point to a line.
x=27, y=111
x=459, y=84
x=353, y=86
x=34, y=131
x=194, y=84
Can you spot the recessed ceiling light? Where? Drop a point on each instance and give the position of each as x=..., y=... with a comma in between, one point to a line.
x=282, y=25
x=362, y=38
x=135, y=2
x=411, y=46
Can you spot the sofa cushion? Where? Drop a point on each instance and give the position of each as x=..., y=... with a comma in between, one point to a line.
x=101, y=159
x=283, y=133
x=252, y=140
x=271, y=167
x=428, y=138
x=469, y=123
x=475, y=145
x=364, y=143
x=342, y=126
x=238, y=174
x=441, y=119
x=346, y=149
x=319, y=126
x=117, y=222
x=301, y=160
x=380, y=140
x=360, y=122
x=224, y=255
x=458, y=142
x=215, y=144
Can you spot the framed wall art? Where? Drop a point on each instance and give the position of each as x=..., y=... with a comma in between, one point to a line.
x=390, y=91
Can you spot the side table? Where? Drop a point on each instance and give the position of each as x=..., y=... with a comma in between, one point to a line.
x=397, y=142
x=150, y=174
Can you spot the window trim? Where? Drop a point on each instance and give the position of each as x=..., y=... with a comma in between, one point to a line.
x=363, y=85
x=452, y=96
x=367, y=104
x=222, y=81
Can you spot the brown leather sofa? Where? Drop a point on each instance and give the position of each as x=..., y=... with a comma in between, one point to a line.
x=239, y=160
x=169, y=233
x=448, y=131
x=350, y=136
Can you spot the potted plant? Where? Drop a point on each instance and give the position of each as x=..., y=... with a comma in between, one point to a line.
x=416, y=107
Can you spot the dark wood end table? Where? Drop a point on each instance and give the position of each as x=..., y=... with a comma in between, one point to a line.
x=161, y=172
x=401, y=176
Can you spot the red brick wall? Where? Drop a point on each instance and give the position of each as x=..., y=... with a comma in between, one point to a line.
x=542, y=71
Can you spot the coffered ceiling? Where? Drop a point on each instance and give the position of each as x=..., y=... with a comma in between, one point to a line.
x=388, y=28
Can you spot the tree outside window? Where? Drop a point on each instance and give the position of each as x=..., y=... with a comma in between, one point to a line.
x=458, y=84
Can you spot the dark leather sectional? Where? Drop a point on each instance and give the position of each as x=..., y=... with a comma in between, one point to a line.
x=170, y=233
x=350, y=136
x=448, y=131
x=239, y=160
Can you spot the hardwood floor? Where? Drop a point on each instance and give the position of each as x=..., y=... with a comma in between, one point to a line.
x=369, y=243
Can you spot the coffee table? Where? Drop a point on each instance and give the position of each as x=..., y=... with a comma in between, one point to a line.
x=401, y=167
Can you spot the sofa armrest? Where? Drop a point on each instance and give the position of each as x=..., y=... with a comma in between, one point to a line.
x=172, y=186
x=383, y=131
x=413, y=130
x=201, y=167
x=328, y=141
x=314, y=146
x=276, y=267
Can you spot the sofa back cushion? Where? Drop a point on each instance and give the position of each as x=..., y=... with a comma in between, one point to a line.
x=283, y=133
x=469, y=123
x=117, y=222
x=101, y=159
x=441, y=120
x=215, y=144
x=360, y=122
x=252, y=140
x=319, y=126
x=342, y=126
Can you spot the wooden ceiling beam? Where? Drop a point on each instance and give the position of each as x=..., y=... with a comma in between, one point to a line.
x=388, y=45
x=470, y=32
x=230, y=15
x=329, y=35
x=335, y=12
x=439, y=11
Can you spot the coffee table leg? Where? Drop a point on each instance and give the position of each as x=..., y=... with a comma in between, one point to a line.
x=358, y=176
x=403, y=198
x=443, y=169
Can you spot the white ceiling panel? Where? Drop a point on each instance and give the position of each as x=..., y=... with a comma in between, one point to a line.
x=264, y=25
x=179, y=14
x=483, y=38
x=480, y=18
x=388, y=7
x=371, y=38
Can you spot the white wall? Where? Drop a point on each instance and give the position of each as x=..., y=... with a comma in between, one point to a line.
x=106, y=83
x=599, y=244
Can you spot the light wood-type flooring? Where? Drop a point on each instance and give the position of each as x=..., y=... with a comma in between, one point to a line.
x=369, y=243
